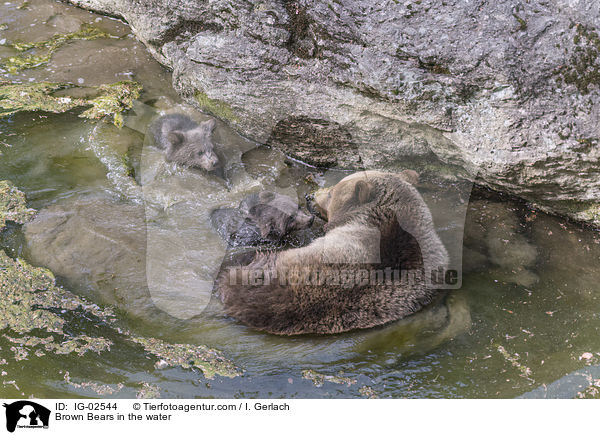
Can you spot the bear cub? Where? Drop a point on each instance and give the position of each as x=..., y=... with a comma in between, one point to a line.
x=376, y=221
x=186, y=142
x=261, y=218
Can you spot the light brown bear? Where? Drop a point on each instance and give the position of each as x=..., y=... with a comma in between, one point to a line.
x=378, y=225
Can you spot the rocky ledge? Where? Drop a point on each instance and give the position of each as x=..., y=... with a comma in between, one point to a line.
x=508, y=90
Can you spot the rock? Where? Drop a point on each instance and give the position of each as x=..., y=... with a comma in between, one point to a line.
x=442, y=321
x=98, y=246
x=509, y=90
x=493, y=233
x=569, y=258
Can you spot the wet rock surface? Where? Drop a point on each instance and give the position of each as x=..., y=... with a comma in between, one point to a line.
x=495, y=239
x=96, y=245
x=506, y=90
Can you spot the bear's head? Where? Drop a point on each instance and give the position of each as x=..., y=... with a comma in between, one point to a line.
x=275, y=214
x=194, y=147
x=353, y=192
x=343, y=198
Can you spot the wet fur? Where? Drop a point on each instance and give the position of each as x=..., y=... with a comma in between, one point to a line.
x=186, y=142
x=261, y=218
x=373, y=205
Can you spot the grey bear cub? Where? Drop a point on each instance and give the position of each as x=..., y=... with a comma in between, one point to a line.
x=264, y=217
x=186, y=142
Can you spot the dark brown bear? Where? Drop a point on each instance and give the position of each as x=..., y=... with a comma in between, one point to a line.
x=262, y=218
x=369, y=269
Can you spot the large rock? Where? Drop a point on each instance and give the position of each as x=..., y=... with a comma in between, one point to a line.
x=510, y=89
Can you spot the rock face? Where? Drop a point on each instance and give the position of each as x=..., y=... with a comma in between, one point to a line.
x=506, y=89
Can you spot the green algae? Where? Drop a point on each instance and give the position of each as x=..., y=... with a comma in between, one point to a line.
x=113, y=100
x=38, y=320
x=209, y=361
x=148, y=391
x=218, y=108
x=368, y=392
x=28, y=299
x=15, y=64
x=110, y=100
x=99, y=389
x=592, y=391
x=319, y=379
x=29, y=305
x=13, y=206
x=514, y=361
x=24, y=61
x=17, y=97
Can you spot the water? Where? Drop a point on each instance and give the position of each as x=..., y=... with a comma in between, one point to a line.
x=526, y=313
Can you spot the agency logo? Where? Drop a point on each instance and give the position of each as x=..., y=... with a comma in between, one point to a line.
x=26, y=414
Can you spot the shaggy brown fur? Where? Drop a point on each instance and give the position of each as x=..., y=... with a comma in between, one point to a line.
x=376, y=221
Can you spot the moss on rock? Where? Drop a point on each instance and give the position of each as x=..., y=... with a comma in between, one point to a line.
x=319, y=379
x=218, y=108
x=583, y=69
x=113, y=99
x=110, y=100
x=579, y=210
x=13, y=205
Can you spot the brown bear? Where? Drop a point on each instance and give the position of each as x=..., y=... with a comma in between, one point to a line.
x=186, y=142
x=370, y=268
x=262, y=218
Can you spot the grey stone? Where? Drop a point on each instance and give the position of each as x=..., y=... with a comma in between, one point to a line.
x=506, y=89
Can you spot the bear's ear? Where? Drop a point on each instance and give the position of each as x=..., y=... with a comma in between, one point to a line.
x=208, y=125
x=363, y=192
x=265, y=230
x=175, y=137
x=410, y=176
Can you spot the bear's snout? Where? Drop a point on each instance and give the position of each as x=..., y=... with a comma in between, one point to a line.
x=304, y=220
x=317, y=203
x=310, y=204
x=209, y=161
